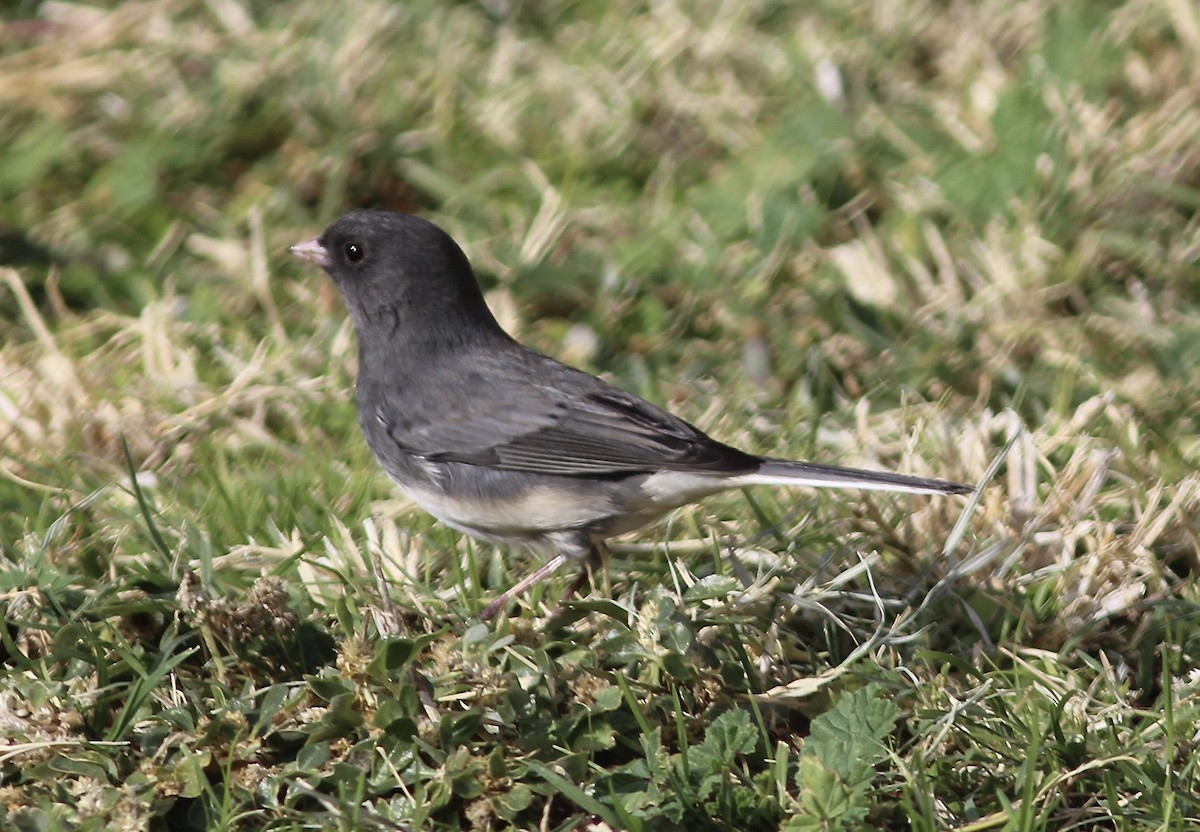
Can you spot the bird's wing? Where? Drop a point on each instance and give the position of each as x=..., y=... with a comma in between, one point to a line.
x=570, y=424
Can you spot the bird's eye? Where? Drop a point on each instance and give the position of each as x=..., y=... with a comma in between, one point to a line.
x=354, y=251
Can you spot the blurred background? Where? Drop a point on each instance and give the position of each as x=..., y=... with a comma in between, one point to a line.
x=918, y=234
x=995, y=200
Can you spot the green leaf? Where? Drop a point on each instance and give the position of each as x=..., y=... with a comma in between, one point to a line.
x=511, y=803
x=826, y=802
x=608, y=699
x=575, y=794
x=401, y=730
x=656, y=756
x=312, y=757
x=98, y=768
x=390, y=713
x=270, y=705
x=713, y=586
x=730, y=736
x=390, y=656
x=343, y=710
x=849, y=738
x=328, y=687
x=595, y=735
x=189, y=773
x=457, y=729
x=475, y=634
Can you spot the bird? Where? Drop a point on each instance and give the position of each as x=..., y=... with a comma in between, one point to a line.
x=504, y=443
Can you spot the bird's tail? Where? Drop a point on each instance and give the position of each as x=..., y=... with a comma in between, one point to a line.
x=787, y=472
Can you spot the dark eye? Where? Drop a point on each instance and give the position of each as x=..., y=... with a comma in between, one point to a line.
x=354, y=251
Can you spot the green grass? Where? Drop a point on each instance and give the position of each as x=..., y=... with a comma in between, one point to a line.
x=957, y=240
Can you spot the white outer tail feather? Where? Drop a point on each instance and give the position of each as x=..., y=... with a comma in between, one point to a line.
x=787, y=472
x=677, y=488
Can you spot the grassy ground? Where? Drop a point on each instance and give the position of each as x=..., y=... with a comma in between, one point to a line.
x=934, y=237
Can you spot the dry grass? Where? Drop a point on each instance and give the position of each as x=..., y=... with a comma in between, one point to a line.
x=955, y=240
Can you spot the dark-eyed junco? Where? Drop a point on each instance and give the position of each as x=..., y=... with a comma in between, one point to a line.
x=502, y=442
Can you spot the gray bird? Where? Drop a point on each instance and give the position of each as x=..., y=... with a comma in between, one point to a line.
x=498, y=440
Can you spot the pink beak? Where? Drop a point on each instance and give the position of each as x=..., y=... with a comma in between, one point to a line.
x=314, y=251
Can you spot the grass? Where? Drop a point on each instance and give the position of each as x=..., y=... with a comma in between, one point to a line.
x=957, y=240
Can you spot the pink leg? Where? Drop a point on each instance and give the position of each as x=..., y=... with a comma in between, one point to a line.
x=599, y=556
x=544, y=571
x=575, y=586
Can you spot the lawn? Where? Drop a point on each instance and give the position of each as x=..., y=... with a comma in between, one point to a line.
x=951, y=239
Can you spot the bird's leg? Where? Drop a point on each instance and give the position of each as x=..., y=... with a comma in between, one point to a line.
x=575, y=586
x=597, y=555
x=570, y=546
x=602, y=555
x=544, y=571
